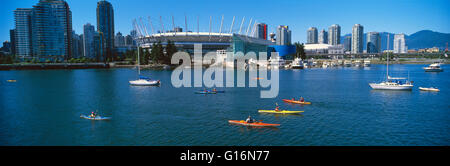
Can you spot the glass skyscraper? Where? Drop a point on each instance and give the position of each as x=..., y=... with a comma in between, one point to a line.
x=105, y=25
x=400, y=44
x=312, y=36
x=334, y=34
x=283, y=35
x=373, y=42
x=347, y=43
x=88, y=41
x=52, y=29
x=323, y=37
x=357, y=39
x=22, y=32
x=261, y=31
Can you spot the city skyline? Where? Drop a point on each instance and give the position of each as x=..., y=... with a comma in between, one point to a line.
x=404, y=19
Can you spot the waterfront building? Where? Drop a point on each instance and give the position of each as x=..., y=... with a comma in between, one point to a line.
x=261, y=31
x=12, y=38
x=400, y=44
x=348, y=43
x=119, y=40
x=312, y=36
x=6, y=47
x=52, y=30
x=99, y=47
x=283, y=35
x=22, y=32
x=77, y=46
x=105, y=25
x=357, y=39
x=323, y=37
x=334, y=34
x=373, y=42
x=88, y=41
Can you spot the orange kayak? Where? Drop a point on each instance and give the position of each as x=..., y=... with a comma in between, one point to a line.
x=258, y=124
x=295, y=101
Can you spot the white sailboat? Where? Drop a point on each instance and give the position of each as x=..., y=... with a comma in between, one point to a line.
x=143, y=81
x=392, y=83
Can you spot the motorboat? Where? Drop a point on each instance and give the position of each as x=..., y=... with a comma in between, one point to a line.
x=277, y=62
x=429, y=89
x=435, y=67
x=366, y=63
x=297, y=64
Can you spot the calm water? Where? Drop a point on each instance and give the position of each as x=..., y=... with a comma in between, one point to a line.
x=43, y=108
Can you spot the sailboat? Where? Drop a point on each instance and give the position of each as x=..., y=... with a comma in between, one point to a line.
x=143, y=81
x=392, y=83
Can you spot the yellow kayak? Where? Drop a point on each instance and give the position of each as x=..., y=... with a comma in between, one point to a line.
x=280, y=112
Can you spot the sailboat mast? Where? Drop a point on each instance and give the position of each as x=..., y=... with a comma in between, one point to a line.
x=139, y=62
x=387, y=64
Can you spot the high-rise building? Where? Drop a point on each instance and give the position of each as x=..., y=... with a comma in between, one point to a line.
x=22, y=32
x=99, y=47
x=105, y=25
x=88, y=41
x=119, y=40
x=77, y=51
x=373, y=42
x=283, y=35
x=357, y=39
x=323, y=37
x=347, y=43
x=52, y=29
x=312, y=36
x=12, y=38
x=400, y=44
x=334, y=34
x=261, y=31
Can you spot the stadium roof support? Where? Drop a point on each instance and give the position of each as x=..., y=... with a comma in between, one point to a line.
x=242, y=23
x=232, y=24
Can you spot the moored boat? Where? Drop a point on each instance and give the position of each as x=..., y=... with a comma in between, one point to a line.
x=435, y=67
x=429, y=89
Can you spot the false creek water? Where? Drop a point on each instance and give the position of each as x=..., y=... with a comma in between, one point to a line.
x=43, y=108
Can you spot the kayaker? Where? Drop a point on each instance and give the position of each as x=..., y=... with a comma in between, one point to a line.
x=277, y=108
x=249, y=120
x=214, y=90
x=93, y=115
x=302, y=99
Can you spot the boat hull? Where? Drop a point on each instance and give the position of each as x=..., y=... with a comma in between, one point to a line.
x=255, y=124
x=144, y=83
x=429, y=89
x=390, y=87
x=280, y=112
x=295, y=102
x=433, y=70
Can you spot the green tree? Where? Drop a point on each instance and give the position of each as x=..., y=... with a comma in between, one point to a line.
x=157, y=53
x=170, y=50
x=300, y=51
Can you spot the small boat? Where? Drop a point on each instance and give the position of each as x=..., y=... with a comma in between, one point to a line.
x=435, y=67
x=11, y=80
x=280, y=112
x=429, y=89
x=205, y=92
x=366, y=63
x=255, y=124
x=295, y=101
x=95, y=118
x=297, y=64
x=145, y=81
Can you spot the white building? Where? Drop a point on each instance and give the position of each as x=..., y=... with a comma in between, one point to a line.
x=400, y=44
x=324, y=49
x=357, y=39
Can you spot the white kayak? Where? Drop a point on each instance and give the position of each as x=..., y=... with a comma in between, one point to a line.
x=429, y=89
x=95, y=118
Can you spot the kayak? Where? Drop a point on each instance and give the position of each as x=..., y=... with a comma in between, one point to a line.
x=96, y=118
x=295, y=102
x=429, y=89
x=218, y=91
x=203, y=92
x=11, y=80
x=256, y=124
x=280, y=112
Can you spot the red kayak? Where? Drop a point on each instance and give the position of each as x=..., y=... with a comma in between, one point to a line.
x=257, y=124
x=295, y=101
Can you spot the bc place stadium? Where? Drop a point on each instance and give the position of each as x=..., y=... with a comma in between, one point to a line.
x=247, y=37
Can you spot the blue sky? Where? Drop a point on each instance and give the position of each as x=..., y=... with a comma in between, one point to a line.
x=396, y=16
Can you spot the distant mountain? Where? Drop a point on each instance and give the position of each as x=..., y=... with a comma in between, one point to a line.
x=418, y=40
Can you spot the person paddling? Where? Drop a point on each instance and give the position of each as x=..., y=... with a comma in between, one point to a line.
x=302, y=99
x=249, y=119
x=277, y=108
